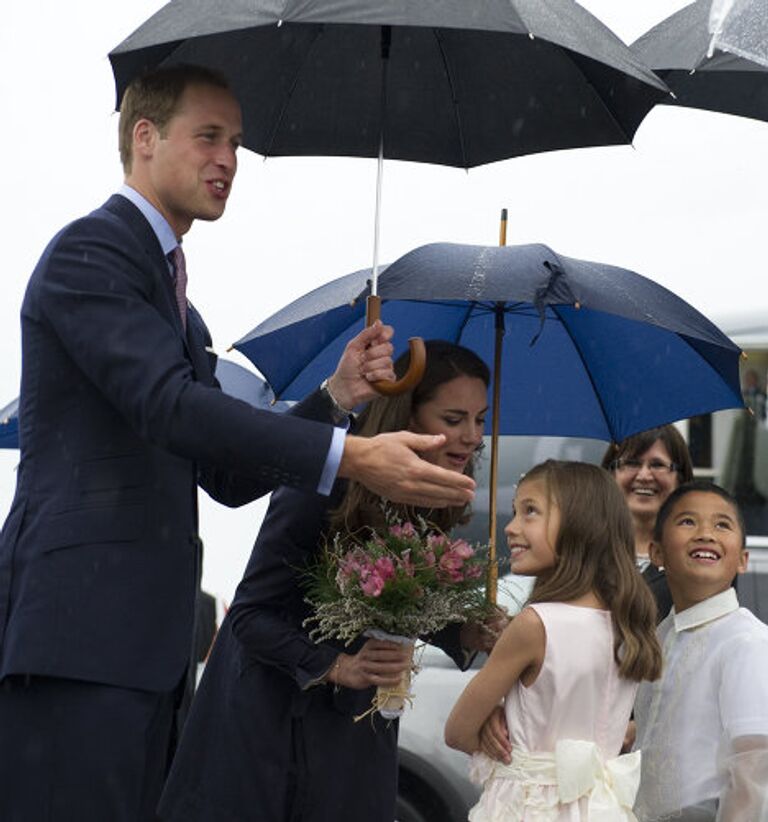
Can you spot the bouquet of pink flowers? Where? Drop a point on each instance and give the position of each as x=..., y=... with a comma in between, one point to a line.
x=409, y=581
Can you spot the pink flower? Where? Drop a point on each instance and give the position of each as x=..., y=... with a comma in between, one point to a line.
x=406, y=563
x=450, y=561
x=373, y=585
x=473, y=572
x=385, y=568
x=437, y=543
x=429, y=558
x=403, y=530
x=462, y=548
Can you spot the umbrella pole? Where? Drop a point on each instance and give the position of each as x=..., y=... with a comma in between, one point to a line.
x=492, y=579
x=377, y=220
x=493, y=567
x=373, y=303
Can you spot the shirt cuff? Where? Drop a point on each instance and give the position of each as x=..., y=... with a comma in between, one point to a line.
x=332, y=462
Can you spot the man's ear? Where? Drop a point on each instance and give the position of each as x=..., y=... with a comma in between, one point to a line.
x=144, y=137
x=656, y=555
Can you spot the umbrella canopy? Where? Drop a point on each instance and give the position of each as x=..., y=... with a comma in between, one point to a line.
x=9, y=425
x=589, y=350
x=451, y=82
x=740, y=27
x=677, y=49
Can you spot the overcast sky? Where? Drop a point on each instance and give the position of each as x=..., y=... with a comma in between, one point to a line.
x=685, y=206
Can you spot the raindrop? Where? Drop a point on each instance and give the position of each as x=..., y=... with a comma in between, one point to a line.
x=279, y=23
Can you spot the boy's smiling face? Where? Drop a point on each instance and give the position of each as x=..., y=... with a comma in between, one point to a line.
x=701, y=548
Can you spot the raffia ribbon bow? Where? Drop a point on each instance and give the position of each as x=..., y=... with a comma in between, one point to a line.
x=611, y=784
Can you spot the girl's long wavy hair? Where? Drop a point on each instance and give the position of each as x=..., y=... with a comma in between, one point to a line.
x=595, y=551
x=445, y=362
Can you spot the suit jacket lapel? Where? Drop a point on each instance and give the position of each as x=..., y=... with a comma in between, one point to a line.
x=198, y=340
x=128, y=212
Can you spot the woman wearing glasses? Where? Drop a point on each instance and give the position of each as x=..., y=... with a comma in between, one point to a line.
x=647, y=467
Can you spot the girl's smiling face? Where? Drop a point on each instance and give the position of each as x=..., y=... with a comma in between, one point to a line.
x=458, y=410
x=532, y=531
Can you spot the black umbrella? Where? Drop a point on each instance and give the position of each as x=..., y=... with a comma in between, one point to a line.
x=453, y=82
x=677, y=49
x=467, y=81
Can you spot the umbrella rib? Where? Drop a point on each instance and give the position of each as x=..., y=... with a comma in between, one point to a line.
x=463, y=323
x=446, y=64
x=288, y=97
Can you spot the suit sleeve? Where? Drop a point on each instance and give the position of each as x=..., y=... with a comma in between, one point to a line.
x=234, y=489
x=100, y=293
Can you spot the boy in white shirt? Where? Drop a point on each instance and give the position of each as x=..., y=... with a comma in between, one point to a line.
x=703, y=727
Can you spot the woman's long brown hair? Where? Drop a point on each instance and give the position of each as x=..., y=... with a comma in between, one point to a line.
x=595, y=550
x=446, y=361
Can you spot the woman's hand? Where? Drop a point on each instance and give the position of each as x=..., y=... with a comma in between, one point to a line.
x=482, y=636
x=377, y=663
x=366, y=359
x=494, y=737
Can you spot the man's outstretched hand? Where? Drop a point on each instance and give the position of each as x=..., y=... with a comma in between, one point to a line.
x=390, y=466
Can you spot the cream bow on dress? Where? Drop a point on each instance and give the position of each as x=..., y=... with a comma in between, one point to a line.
x=573, y=783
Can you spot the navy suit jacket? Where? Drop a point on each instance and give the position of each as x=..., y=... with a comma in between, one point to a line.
x=120, y=420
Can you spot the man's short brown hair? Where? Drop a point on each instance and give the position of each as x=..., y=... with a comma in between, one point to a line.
x=155, y=96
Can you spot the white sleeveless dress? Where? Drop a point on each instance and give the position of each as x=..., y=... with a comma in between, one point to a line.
x=566, y=731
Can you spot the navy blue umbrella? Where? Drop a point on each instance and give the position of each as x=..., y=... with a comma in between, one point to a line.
x=235, y=380
x=588, y=350
x=576, y=348
x=9, y=425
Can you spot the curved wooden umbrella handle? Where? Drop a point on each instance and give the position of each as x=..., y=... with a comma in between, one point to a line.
x=418, y=355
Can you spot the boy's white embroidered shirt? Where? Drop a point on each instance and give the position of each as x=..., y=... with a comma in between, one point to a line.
x=713, y=691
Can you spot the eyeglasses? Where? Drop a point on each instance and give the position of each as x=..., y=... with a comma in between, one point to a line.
x=657, y=467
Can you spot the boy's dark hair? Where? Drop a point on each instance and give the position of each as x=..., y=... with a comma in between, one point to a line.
x=703, y=486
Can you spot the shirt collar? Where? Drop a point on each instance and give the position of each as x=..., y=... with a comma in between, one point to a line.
x=160, y=225
x=703, y=612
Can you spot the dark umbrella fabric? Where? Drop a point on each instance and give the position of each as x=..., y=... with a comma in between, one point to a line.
x=677, y=49
x=467, y=82
x=589, y=350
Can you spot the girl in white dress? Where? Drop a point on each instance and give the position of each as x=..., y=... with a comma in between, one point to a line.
x=567, y=667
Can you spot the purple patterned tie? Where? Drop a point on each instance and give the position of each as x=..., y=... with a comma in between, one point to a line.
x=180, y=282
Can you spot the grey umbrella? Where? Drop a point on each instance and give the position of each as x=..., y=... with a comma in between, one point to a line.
x=678, y=50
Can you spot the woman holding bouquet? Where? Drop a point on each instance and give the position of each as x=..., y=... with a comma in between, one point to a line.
x=271, y=735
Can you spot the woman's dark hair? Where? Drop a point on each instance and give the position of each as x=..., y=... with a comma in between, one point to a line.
x=635, y=446
x=595, y=551
x=445, y=362
x=703, y=486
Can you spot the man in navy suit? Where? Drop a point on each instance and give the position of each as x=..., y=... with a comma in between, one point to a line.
x=120, y=420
